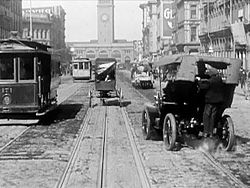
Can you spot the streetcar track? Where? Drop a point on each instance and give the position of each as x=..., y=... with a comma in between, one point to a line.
x=102, y=170
x=66, y=174
x=217, y=165
x=139, y=164
x=103, y=162
x=14, y=139
x=137, y=158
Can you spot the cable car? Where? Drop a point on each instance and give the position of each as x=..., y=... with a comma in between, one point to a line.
x=29, y=78
x=82, y=69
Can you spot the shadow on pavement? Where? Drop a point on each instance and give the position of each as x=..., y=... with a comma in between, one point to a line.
x=63, y=112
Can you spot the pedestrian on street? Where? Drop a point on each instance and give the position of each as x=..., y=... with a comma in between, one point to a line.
x=243, y=78
x=213, y=100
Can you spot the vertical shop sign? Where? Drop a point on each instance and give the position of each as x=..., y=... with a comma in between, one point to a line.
x=167, y=20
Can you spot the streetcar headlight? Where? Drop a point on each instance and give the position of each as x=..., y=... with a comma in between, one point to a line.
x=6, y=100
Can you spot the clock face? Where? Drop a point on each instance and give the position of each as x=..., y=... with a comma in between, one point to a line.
x=105, y=17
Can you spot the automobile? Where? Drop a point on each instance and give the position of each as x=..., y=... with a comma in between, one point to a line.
x=177, y=109
x=141, y=76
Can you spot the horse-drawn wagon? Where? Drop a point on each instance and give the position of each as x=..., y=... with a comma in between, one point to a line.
x=105, y=80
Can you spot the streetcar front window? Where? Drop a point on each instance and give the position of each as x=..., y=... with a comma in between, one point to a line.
x=6, y=68
x=27, y=68
x=75, y=66
x=86, y=65
x=81, y=65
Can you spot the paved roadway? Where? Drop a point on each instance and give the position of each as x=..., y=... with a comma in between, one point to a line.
x=187, y=168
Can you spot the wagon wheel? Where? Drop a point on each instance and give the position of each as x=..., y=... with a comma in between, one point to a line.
x=120, y=97
x=90, y=98
x=227, y=133
x=146, y=125
x=169, y=131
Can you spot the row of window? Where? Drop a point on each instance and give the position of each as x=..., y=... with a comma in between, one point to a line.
x=80, y=65
x=114, y=53
x=37, y=33
x=24, y=67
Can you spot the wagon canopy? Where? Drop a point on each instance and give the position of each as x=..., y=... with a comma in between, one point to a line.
x=188, y=66
x=104, y=69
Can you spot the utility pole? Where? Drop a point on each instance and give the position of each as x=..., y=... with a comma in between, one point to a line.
x=31, y=30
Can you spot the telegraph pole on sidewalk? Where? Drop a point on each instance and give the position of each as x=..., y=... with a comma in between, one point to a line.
x=31, y=30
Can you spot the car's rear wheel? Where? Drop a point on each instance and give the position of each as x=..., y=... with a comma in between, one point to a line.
x=227, y=133
x=169, y=132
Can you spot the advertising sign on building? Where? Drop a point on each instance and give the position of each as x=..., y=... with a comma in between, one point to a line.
x=167, y=20
x=47, y=10
x=239, y=33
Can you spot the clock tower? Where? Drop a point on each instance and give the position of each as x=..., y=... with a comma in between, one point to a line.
x=105, y=21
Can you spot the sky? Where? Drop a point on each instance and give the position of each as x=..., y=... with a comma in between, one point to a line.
x=81, y=18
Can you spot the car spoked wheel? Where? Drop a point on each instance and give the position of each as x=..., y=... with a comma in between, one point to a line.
x=146, y=125
x=227, y=133
x=169, y=132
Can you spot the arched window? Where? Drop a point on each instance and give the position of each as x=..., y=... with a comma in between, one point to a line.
x=90, y=54
x=117, y=55
x=127, y=59
x=103, y=53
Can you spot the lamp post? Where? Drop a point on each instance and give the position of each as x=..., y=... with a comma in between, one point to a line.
x=30, y=22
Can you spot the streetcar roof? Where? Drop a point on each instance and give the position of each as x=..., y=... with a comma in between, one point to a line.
x=22, y=45
x=80, y=60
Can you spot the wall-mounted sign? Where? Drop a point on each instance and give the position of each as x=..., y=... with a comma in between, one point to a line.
x=239, y=34
x=48, y=10
x=167, y=20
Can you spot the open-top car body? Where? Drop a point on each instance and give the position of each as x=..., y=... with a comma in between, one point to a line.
x=179, y=105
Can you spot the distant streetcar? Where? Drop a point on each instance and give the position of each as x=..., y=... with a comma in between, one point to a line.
x=82, y=69
x=29, y=78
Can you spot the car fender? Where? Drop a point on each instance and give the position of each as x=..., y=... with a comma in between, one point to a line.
x=153, y=112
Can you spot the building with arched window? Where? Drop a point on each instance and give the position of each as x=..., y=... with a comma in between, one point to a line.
x=106, y=45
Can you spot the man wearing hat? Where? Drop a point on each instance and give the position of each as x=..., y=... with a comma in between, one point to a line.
x=213, y=100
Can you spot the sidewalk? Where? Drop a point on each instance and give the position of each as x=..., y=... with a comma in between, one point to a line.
x=239, y=91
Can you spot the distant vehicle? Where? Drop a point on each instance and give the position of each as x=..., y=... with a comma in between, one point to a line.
x=178, y=108
x=141, y=76
x=105, y=79
x=81, y=69
x=29, y=78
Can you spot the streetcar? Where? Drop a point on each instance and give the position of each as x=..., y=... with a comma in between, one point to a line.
x=179, y=106
x=29, y=79
x=81, y=69
x=105, y=80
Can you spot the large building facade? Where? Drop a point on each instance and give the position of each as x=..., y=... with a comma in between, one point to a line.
x=10, y=17
x=48, y=26
x=157, y=27
x=225, y=29
x=105, y=45
x=186, y=26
